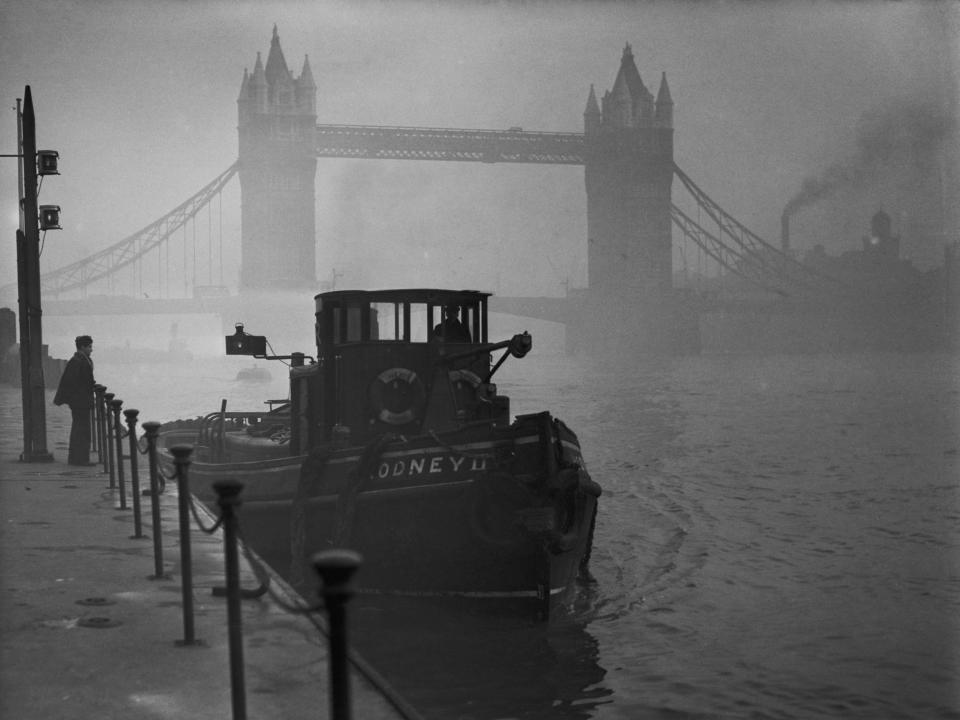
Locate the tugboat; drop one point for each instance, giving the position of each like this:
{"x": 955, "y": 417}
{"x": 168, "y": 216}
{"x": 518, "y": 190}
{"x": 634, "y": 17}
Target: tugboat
{"x": 395, "y": 442}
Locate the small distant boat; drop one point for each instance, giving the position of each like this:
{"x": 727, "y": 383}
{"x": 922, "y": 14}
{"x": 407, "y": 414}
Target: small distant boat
{"x": 254, "y": 374}
{"x": 396, "y": 443}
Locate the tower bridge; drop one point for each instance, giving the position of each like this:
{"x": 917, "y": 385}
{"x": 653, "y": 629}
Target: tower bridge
{"x": 625, "y": 148}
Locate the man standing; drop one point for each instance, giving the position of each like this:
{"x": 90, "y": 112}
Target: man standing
{"x": 76, "y": 390}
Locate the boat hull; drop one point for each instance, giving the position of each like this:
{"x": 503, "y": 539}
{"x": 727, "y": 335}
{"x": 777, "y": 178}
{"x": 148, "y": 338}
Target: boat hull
{"x": 499, "y": 515}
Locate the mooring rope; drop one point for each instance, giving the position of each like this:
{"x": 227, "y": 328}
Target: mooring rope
{"x": 357, "y": 479}
{"x": 309, "y": 471}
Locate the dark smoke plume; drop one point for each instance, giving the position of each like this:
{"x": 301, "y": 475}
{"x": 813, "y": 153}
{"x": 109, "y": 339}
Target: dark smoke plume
{"x": 905, "y": 137}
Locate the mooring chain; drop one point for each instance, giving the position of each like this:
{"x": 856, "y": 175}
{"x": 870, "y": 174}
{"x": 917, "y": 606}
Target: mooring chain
{"x": 164, "y": 477}
{"x": 172, "y": 477}
{"x": 196, "y": 516}
{"x": 143, "y": 447}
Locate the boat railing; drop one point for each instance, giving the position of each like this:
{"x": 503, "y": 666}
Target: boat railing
{"x": 215, "y": 426}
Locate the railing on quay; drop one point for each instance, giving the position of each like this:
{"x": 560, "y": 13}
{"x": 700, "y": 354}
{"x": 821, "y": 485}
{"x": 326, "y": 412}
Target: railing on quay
{"x": 107, "y": 441}
{"x": 335, "y": 567}
{"x": 151, "y": 430}
{"x": 115, "y": 404}
{"x": 131, "y": 415}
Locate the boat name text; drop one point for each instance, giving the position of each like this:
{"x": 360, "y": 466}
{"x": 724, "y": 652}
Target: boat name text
{"x": 430, "y": 465}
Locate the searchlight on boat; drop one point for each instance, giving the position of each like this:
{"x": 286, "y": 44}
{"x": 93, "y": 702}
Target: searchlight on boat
{"x": 242, "y": 343}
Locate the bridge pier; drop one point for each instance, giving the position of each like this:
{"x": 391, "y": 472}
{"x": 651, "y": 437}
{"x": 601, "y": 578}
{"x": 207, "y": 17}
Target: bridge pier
{"x": 603, "y": 324}
{"x": 615, "y": 325}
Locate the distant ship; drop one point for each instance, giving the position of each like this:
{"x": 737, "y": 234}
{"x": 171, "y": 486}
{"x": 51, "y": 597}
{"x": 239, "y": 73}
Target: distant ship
{"x": 255, "y": 374}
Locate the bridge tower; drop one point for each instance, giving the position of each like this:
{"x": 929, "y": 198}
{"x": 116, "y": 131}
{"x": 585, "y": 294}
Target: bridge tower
{"x": 277, "y": 119}
{"x": 628, "y": 147}
{"x": 629, "y": 171}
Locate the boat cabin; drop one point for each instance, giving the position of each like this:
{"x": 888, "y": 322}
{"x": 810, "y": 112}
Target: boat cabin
{"x": 397, "y": 361}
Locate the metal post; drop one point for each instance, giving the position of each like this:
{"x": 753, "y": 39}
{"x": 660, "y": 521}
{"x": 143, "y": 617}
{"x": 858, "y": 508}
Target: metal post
{"x": 131, "y": 415}
{"x": 181, "y": 461}
{"x": 118, "y": 432}
{"x": 108, "y": 432}
{"x": 336, "y": 569}
{"x": 228, "y": 498}
{"x": 98, "y": 391}
{"x": 93, "y": 427}
{"x": 22, "y": 300}
{"x": 150, "y": 429}
{"x": 298, "y": 424}
{"x": 26, "y": 398}
{"x": 31, "y": 342}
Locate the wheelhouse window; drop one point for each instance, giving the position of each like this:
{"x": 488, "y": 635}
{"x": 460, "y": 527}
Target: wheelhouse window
{"x": 347, "y": 324}
{"x": 389, "y": 322}
{"x": 356, "y": 319}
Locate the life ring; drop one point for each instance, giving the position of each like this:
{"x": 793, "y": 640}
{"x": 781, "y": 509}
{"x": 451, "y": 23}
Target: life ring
{"x": 397, "y": 396}
{"x": 458, "y": 377}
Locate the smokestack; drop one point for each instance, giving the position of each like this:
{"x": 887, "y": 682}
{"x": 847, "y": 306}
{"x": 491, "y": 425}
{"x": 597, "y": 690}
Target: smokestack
{"x": 785, "y": 232}
{"x": 904, "y": 137}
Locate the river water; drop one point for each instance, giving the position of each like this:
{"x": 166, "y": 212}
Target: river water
{"x": 779, "y": 537}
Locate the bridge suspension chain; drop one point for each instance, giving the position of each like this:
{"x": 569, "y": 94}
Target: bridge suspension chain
{"x": 109, "y": 260}
{"x": 739, "y": 263}
{"x": 749, "y": 255}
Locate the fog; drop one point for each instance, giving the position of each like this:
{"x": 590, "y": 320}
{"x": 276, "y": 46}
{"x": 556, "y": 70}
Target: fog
{"x": 777, "y": 535}
{"x": 835, "y": 109}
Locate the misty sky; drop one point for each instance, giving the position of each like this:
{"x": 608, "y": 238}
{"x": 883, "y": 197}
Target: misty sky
{"x": 139, "y": 98}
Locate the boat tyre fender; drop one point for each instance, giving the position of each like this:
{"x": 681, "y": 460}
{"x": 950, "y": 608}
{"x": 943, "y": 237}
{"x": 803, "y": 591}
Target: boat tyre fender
{"x": 567, "y": 509}
{"x": 397, "y": 395}
{"x": 569, "y": 503}
{"x": 576, "y": 478}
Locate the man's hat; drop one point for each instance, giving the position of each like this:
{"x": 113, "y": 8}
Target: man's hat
{"x": 83, "y": 340}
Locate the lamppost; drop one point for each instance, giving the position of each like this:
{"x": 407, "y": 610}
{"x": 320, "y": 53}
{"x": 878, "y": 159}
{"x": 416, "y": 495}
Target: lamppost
{"x": 32, "y": 220}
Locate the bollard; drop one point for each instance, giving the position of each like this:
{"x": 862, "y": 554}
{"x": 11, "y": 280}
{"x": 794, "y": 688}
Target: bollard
{"x": 150, "y": 429}
{"x": 181, "y": 461}
{"x": 115, "y": 404}
{"x": 131, "y": 416}
{"x": 336, "y": 568}
{"x": 228, "y": 498}
{"x": 108, "y": 432}
{"x": 98, "y": 391}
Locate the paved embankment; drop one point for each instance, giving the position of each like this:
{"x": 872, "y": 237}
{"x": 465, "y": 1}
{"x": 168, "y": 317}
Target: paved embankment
{"x": 64, "y": 543}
